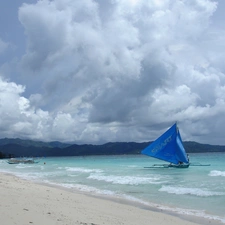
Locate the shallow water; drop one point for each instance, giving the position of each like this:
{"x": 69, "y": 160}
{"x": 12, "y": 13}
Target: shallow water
{"x": 198, "y": 190}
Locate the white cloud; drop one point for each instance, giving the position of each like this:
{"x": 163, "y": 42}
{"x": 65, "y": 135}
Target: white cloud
{"x": 19, "y": 119}
{"x": 98, "y": 71}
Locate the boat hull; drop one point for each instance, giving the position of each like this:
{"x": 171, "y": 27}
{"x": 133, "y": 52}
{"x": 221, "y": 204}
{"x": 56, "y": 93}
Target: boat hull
{"x": 23, "y": 161}
{"x": 179, "y": 166}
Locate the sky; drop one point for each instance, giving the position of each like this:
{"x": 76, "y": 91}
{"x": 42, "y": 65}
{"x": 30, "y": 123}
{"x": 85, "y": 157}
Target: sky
{"x": 98, "y": 71}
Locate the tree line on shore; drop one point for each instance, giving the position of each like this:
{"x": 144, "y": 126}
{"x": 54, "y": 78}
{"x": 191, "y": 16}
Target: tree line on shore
{"x": 27, "y": 148}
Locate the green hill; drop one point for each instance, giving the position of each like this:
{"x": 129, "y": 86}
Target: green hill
{"x": 29, "y": 148}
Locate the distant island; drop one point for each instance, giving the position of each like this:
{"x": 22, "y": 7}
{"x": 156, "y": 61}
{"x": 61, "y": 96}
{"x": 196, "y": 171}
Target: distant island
{"x": 28, "y": 148}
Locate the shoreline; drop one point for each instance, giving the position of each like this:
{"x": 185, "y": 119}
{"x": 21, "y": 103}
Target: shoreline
{"x": 28, "y": 202}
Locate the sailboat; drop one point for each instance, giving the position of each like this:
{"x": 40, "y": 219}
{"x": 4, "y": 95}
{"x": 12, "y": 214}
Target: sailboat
{"x": 169, "y": 147}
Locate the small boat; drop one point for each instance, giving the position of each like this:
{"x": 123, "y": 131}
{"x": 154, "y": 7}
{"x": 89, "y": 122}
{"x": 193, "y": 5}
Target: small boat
{"x": 22, "y": 160}
{"x": 168, "y": 147}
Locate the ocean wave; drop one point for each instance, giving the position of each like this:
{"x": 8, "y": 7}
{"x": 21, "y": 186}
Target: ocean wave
{"x": 189, "y": 191}
{"x": 24, "y": 166}
{"x": 125, "y": 179}
{"x": 82, "y": 170}
{"x": 190, "y": 212}
{"x": 84, "y": 188}
{"x": 217, "y": 173}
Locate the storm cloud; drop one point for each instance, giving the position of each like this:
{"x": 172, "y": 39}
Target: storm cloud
{"x": 98, "y": 71}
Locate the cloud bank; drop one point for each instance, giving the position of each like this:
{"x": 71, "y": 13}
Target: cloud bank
{"x": 99, "y": 71}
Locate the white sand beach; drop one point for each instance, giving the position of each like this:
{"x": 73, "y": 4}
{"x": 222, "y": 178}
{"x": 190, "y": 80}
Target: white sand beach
{"x": 24, "y": 202}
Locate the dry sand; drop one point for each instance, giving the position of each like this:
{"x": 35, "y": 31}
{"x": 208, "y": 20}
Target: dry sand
{"x": 24, "y": 202}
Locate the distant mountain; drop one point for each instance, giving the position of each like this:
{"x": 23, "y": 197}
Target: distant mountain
{"x": 28, "y": 148}
{"x": 194, "y": 147}
{"x": 29, "y": 143}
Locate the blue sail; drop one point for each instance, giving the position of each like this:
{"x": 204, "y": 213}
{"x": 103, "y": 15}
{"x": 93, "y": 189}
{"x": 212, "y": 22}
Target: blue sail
{"x": 168, "y": 147}
{"x": 181, "y": 153}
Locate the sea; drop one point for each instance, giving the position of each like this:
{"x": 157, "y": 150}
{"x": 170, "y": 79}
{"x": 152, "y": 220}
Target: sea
{"x": 197, "y": 191}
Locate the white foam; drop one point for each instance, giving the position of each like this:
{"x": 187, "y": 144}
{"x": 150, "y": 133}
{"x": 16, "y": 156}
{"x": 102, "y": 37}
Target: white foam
{"x": 84, "y": 188}
{"x": 189, "y": 191}
{"x": 181, "y": 211}
{"x": 83, "y": 170}
{"x": 24, "y": 166}
{"x": 132, "y": 180}
{"x": 217, "y": 173}
{"x": 190, "y": 212}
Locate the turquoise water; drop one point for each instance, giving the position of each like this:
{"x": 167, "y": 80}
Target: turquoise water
{"x": 198, "y": 190}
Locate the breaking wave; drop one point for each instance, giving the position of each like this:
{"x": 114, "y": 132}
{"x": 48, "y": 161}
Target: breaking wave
{"x": 126, "y": 179}
{"x": 217, "y": 173}
{"x": 189, "y": 191}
